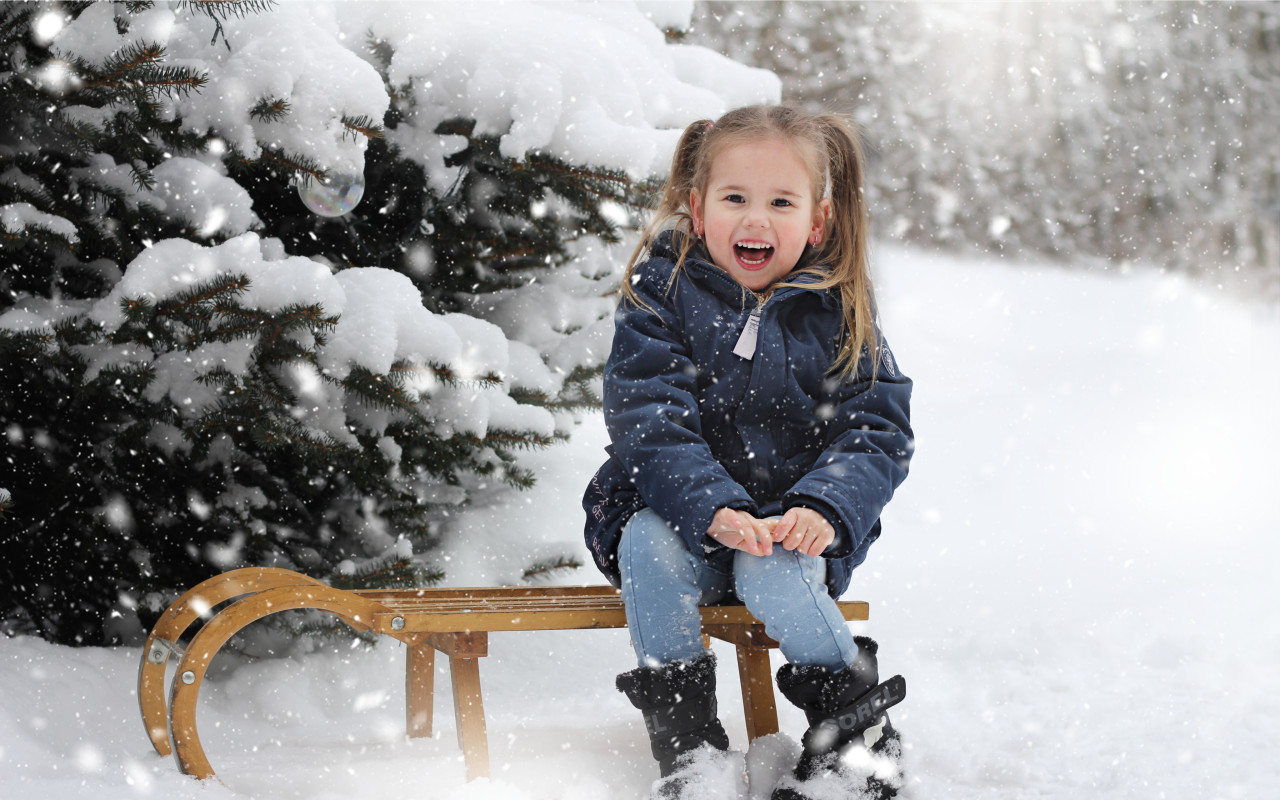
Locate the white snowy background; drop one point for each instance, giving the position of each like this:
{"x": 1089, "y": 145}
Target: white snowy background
{"x": 1076, "y": 579}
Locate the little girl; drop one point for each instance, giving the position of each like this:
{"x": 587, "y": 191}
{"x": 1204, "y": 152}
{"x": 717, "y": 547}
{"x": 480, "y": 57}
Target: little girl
{"x": 759, "y": 425}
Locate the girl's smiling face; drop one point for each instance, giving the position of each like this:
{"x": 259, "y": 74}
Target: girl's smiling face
{"x": 759, "y": 211}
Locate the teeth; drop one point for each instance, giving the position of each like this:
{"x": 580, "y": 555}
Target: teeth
{"x": 743, "y": 247}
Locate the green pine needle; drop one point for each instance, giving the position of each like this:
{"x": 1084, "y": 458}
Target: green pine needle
{"x": 270, "y": 109}
{"x": 549, "y": 568}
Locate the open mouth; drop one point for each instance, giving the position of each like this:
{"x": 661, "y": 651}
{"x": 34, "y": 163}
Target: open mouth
{"x": 753, "y": 254}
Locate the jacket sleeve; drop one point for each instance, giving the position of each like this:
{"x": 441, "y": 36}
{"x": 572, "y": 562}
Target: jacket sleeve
{"x": 866, "y": 452}
{"x": 651, "y": 412}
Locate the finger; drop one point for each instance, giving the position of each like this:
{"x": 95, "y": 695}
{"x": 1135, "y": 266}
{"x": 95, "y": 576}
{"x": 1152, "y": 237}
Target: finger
{"x": 802, "y": 538}
{"x": 791, "y": 529}
{"x": 763, "y": 534}
{"x": 795, "y": 536}
{"x": 747, "y": 529}
{"x": 820, "y": 543}
{"x": 783, "y": 527}
{"x": 778, "y": 535}
{"x": 735, "y": 541}
{"x": 735, "y": 526}
{"x": 765, "y": 537}
{"x": 751, "y": 536}
{"x": 814, "y": 547}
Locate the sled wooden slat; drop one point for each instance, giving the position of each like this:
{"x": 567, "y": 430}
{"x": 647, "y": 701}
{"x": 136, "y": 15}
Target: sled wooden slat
{"x": 453, "y": 622}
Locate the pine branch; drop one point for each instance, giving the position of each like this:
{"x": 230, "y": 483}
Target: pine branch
{"x": 274, "y": 433}
{"x": 362, "y": 125}
{"x": 521, "y": 440}
{"x": 529, "y": 397}
{"x": 173, "y": 80}
{"x": 326, "y": 627}
{"x": 129, "y": 377}
{"x": 136, "y": 71}
{"x": 15, "y": 21}
{"x": 35, "y": 233}
{"x": 387, "y": 572}
{"x": 125, "y": 61}
{"x": 447, "y": 375}
{"x": 222, "y": 9}
{"x": 270, "y": 109}
{"x": 275, "y": 347}
{"x": 549, "y": 568}
{"x": 519, "y": 478}
{"x": 76, "y": 332}
{"x": 378, "y": 391}
{"x": 142, "y": 176}
{"x": 265, "y": 390}
{"x": 409, "y": 515}
{"x": 306, "y": 169}
{"x": 88, "y": 136}
{"x": 381, "y": 50}
{"x": 291, "y": 317}
{"x": 577, "y": 394}
{"x": 579, "y": 177}
{"x": 189, "y": 301}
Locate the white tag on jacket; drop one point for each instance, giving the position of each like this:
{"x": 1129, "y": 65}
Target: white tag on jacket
{"x": 746, "y": 346}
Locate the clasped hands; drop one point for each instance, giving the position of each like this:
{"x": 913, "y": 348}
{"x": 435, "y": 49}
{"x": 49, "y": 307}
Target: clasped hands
{"x": 801, "y": 529}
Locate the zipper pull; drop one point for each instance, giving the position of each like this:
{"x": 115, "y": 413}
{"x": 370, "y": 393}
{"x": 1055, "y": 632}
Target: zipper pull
{"x": 746, "y": 346}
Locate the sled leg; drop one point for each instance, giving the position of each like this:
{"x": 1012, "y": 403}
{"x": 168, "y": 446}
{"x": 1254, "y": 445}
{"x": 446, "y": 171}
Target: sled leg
{"x": 465, "y": 651}
{"x": 419, "y": 689}
{"x": 468, "y": 709}
{"x": 757, "y": 691}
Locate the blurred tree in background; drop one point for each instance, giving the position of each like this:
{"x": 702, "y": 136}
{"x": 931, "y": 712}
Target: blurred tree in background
{"x": 1089, "y": 131}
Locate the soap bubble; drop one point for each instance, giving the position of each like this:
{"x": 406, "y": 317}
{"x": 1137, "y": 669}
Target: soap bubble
{"x": 333, "y": 196}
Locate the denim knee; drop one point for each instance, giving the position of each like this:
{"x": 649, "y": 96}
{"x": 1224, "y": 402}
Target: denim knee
{"x": 787, "y": 592}
{"x": 779, "y": 574}
{"x": 649, "y": 544}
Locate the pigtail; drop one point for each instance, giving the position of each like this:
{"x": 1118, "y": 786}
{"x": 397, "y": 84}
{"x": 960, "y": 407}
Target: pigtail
{"x": 845, "y": 250}
{"x": 673, "y": 204}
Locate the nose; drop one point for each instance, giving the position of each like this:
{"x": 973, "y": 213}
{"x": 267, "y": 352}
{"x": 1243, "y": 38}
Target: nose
{"x": 757, "y": 217}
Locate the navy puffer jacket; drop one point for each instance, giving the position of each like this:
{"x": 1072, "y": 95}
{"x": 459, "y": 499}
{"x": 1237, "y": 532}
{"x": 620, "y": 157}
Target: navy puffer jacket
{"x": 695, "y": 428}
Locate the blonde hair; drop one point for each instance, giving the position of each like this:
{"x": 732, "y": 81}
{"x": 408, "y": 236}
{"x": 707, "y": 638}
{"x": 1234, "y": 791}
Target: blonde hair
{"x": 830, "y": 146}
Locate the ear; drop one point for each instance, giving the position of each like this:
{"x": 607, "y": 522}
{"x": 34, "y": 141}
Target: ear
{"x": 822, "y": 213}
{"x": 695, "y": 210}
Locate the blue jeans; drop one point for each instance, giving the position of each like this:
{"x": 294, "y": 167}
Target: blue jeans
{"x": 663, "y": 584}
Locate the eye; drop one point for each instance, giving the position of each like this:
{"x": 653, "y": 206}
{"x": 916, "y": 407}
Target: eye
{"x": 735, "y": 198}
{"x": 783, "y": 202}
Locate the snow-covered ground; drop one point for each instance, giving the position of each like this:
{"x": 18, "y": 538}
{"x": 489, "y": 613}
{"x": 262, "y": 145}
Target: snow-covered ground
{"x": 1077, "y": 581}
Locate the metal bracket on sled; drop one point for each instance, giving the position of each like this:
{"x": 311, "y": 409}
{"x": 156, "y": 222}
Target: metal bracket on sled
{"x": 161, "y": 648}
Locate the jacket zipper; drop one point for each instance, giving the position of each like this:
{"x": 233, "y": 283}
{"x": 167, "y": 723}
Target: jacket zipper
{"x": 746, "y": 346}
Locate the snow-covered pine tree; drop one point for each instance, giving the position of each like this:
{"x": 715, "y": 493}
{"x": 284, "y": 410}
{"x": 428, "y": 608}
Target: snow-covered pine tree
{"x": 198, "y": 373}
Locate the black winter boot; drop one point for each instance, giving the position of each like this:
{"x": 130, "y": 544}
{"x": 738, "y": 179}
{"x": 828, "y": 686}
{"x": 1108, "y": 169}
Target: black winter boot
{"x": 679, "y": 706}
{"x": 844, "y": 709}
